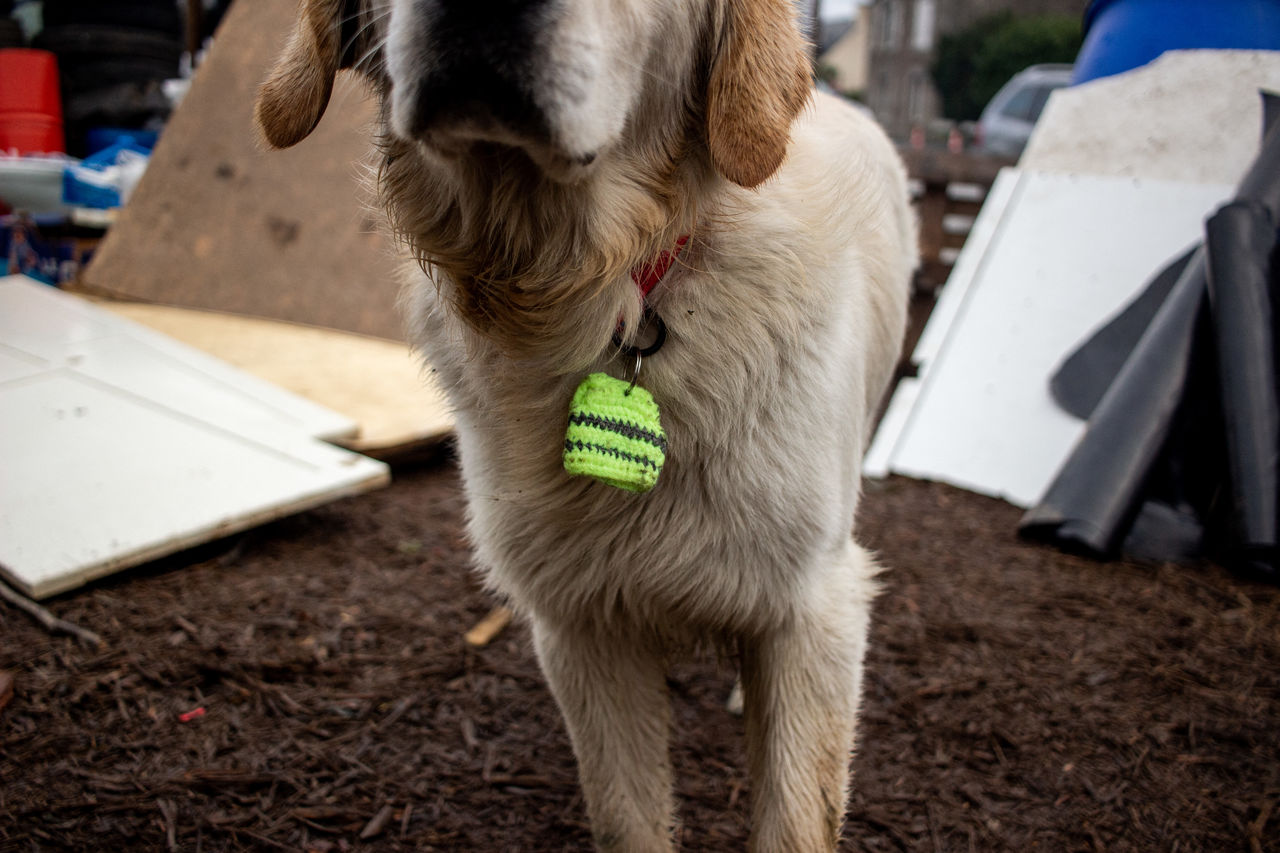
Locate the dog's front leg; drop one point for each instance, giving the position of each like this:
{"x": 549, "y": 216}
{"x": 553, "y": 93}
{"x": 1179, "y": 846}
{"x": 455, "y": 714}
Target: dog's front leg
{"x": 612, "y": 693}
{"x": 801, "y": 684}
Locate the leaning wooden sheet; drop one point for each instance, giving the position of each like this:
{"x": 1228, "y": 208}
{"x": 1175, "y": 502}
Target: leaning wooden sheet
{"x": 278, "y": 234}
{"x": 118, "y": 446}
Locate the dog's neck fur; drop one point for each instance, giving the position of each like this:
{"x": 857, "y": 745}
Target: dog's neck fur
{"x": 541, "y": 269}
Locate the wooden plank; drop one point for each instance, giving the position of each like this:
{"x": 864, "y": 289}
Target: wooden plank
{"x": 963, "y": 208}
{"x": 220, "y": 223}
{"x": 931, "y": 275}
{"x": 378, "y": 384}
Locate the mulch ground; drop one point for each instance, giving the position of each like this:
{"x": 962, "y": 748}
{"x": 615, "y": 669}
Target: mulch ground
{"x": 306, "y": 686}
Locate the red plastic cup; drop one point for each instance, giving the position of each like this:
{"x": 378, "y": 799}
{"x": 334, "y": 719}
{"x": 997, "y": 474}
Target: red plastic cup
{"x": 29, "y": 133}
{"x": 30, "y": 103}
{"x": 29, "y": 82}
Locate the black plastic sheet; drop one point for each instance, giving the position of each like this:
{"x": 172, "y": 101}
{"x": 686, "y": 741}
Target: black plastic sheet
{"x": 1182, "y": 396}
{"x": 1240, "y": 239}
{"x": 1082, "y": 380}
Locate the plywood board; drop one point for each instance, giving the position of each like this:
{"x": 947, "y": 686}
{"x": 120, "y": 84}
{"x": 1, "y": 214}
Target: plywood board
{"x": 379, "y": 384}
{"x": 116, "y": 448}
{"x": 1061, "y": 255}
{"x": 219, "y": 222}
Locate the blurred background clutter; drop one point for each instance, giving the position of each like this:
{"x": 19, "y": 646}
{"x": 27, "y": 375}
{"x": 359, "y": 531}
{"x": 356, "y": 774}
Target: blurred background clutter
{"x": 86, "y": 88}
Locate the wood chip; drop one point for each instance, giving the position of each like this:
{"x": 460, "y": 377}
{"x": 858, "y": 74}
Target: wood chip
{"x": 489, "y": 627}
{"x": 6, "y": 688}
{"x": 375, "y": 826}
{"x": 405, "y": 818}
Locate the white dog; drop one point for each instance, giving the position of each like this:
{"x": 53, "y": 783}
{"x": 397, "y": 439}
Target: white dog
{"x": 537, "y": 157}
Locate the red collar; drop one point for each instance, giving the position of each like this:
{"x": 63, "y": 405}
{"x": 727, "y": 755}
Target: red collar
{"x": 647, "y": 275}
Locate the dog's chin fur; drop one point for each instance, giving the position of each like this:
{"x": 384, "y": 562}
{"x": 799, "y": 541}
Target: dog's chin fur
{"x": 535, "y": 255}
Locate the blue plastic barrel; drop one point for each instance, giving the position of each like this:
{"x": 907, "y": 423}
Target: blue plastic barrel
{"x": 1124, "y": 34}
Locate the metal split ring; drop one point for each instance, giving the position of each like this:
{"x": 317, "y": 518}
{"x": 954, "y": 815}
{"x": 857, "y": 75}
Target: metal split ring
{"x": 635, "y": 374}
{"x": 650, "y": 318}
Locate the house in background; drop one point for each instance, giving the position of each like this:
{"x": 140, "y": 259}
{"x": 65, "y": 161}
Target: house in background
{"x": 843, "y": 57}
{"x": 903, "y": 37}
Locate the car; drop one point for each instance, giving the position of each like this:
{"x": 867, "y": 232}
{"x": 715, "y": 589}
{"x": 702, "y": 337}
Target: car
{"x": 1008, "y": 118}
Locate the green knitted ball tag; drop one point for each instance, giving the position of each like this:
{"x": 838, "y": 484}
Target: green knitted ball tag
{"x": 614, "y": 434}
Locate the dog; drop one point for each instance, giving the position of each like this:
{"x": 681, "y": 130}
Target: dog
{"x": 535, "y": 156}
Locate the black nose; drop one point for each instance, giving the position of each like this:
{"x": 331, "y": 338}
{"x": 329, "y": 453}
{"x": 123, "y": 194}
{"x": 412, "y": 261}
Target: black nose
{"x": 473, "y": 96}
{"x": 495, "y": 33}
{"x": 483, "y": 53}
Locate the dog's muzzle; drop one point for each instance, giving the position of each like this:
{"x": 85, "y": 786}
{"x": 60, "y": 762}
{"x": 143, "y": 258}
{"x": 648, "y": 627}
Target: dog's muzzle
{"x": 494, "y": 71}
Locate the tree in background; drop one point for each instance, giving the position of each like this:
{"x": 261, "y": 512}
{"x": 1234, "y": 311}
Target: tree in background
{"x": 972, "y": 64}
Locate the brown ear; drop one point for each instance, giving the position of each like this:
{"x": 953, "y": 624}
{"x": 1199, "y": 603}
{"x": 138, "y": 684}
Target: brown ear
{"x": 295, "y": 94}
{"x": 760, "y": 80}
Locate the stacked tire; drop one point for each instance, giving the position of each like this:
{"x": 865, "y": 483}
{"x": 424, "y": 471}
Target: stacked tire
{"x": 113, "y": 57}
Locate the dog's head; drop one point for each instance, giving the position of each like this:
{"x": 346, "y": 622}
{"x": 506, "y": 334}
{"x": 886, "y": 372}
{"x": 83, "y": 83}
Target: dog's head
{"x": 561, "y": 80}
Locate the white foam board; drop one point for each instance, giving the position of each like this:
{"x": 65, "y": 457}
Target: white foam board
{"x": 877, "y": 462}
{"x": 1057, "y": 256}
{"x": 58, "y": 329}
{"x": 116, "y": 449}
{"x": 965, "y": 269}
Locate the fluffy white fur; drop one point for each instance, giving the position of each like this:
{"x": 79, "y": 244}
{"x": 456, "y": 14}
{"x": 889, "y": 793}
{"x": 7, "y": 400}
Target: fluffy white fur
{"x": 785, "y": 316}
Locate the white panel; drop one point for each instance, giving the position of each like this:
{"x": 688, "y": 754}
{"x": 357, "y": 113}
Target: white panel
{"x": 877, "y": 461}
{"x": 44, "y": 322}
{"x": 95, "y": 480}
{"x": 1063, "y": 255}
{"x": 15, "y": 364}
{"x": 118, "y": 445}
{"x": 966, "y": 267}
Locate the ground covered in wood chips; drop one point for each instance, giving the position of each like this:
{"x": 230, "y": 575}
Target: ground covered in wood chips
{"x": 306, "y": 686}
